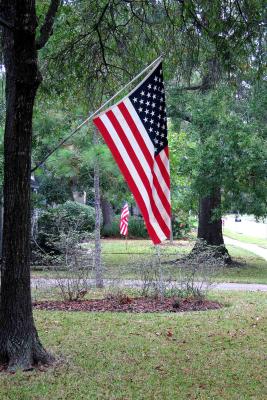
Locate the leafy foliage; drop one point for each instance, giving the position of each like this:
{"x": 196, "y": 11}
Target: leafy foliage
{"x": 60, "y": 219}
{"x": 225, "y": 145}
{"x": 136, "y": 228}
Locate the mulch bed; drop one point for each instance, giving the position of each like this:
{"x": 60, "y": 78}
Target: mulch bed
{"x": 127, "y": 304}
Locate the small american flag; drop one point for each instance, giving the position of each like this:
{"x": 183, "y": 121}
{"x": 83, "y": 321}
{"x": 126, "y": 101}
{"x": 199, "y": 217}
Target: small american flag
{"x": 124, "y": 220}
{"x": 135, "y": 130}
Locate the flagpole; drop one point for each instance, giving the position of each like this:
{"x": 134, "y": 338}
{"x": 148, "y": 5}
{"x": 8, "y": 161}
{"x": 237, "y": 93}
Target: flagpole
{"x": 171, "y": 234}
{"x": 157, "y": 246}
{"x": 96, "y": 112}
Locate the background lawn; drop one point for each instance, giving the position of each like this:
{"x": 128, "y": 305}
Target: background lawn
{"x": 201, "y": 355}
{"x": 245, "y": 238}
{"x": 250, "y": 268}
{"x": 121, "y": 262}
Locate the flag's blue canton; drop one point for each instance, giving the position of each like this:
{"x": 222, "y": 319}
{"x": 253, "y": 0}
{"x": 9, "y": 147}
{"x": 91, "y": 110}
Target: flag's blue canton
{"x": 149, "y": 103}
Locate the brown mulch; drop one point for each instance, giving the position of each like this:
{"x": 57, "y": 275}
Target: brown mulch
{"x": 128, "y": 304}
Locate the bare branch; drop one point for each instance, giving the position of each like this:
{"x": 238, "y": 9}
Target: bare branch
{"x": 47, "y": 26}
{"x": 102, "y": 15}
{"x": 101, "y": 46}
{"x": 240, "y": 11}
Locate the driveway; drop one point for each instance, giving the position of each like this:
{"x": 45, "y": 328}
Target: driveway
{"x": 253, "y": 248}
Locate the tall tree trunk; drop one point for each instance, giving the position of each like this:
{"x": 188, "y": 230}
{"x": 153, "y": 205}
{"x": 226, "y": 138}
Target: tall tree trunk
{"x": 19, "y": 343}
{"x": 210, "y": 229}
{"x": 210, "y": 236}
{"x": 107, "y": 212}
{"x": 1, "y": 223}
{"x": 98, "y": 258}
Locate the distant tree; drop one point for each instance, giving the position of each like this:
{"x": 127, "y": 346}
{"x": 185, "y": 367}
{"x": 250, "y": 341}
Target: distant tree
{"x": 221, "y": 47}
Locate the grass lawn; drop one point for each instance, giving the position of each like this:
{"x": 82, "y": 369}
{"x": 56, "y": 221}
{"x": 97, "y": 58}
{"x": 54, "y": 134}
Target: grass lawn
{"x": 122, "y": 262}
{"x": 208, "y": 355}
{"x": 251, "y": 268}
{"x": 246, "y": 239}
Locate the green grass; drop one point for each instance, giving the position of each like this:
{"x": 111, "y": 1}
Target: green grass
{"x": 249, "y": 269}
{"x": 122, "y": 262}
{"x": 212, "y": 355}
{"x": 119, "y": 252}
{"x": 246, "y": 239}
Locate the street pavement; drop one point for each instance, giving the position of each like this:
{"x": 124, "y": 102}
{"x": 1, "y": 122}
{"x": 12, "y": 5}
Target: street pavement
{"x": 253, "y": 248}
{"x": 42, "y": 283}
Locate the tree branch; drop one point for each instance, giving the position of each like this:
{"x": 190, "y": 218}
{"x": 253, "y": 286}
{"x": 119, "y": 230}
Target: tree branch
{"x": 47, "y": 26}
{"x": 102, "y": 47}
{"x": 102, "y": 15}
{"x": 240, "y": 11}
{"x": 96, "y": 27}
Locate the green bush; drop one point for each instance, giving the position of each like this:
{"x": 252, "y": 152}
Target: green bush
{"x": 137, "y": 228}
{"x": 70, "y": 216}
{"x": 182, "y": 224}
{"x": 112, "y": 230}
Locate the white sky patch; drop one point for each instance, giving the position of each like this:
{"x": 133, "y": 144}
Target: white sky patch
{"x": 2, "y": 70}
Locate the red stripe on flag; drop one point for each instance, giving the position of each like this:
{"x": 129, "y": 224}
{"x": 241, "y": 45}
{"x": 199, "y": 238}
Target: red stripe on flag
{"x": 161, "y": 194}
{"x": 136, "y": 133}
{"x": 166, "y": 150}
{"x": 122, "y": 107}
{"x": 139, "y": 169}
{"x": 124, "y": 170}
{"x": 163, "y": 170}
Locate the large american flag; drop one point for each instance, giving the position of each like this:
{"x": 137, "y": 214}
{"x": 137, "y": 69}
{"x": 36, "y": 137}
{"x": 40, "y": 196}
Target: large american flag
{"x": 135, "y": 130}
{"x": 124, "y": 220}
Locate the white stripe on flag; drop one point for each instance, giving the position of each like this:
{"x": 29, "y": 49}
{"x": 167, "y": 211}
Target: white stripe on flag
{"x": 146, "y": 168}
{"x": 131, "y": 168}
{"x": 149, "y": 145}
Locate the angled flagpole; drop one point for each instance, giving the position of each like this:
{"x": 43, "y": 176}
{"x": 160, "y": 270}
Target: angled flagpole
{"x": 96, "y": 112}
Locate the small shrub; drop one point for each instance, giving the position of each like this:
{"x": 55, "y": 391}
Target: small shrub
{"x": 57, "y": 220}
{"x": 113, "y": 230}
{"x": 77, "y": 263}
{"x": 181, "y": 226}
{"x": 119, "y": 297}
{"x": 153, "y": 281}
{"x": 195, "y": 276}
{"x": 137, "y": 228}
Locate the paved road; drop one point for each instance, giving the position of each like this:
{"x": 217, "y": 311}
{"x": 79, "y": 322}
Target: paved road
{"x": 247, "y": 246}
{"x": 248, "y": 226}
{"x": 252, "y": 287}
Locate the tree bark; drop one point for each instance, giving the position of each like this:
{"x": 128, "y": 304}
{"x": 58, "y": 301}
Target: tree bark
{"x": 210, "y": 229}
{"x": 19, "y": 343}
{"x": 1, "y": 224}
{"x": 97, "y": 259}
{"x": 107, "y": 212}
{"x": 210, "y": 236}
